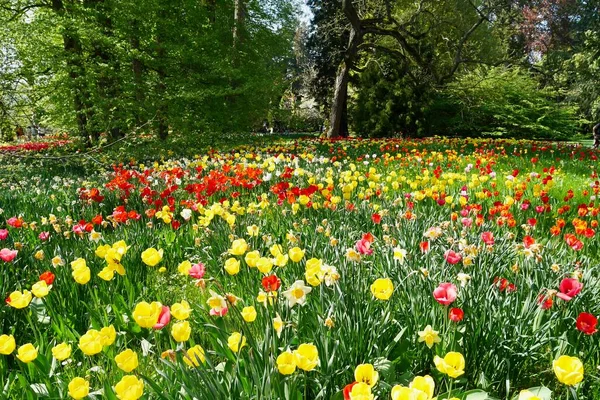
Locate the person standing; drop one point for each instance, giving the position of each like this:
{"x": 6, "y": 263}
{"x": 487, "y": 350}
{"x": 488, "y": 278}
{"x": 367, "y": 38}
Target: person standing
{"x": 596, "y": 131}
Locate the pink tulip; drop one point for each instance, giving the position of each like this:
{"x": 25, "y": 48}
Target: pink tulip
{"x": 3, "y": 234}
{"x": 7, "y": 255}
{"x": 467, "y": 222}
{"x": 445, "y": 293}
{"x": 164, "y": 318}
{"x": 452, "y": 257}
{"x": 569, "y": 288}
{"x": 219, "y": 312}
{"x": 197, "y": 271}
{"x": 488, "y": 238}
{"x": 363, "y": 246}
{"x": 44, "y": 236}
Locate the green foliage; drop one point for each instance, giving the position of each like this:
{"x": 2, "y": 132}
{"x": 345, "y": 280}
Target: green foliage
{"x": 504, "y": 102}
{"x": 105, "y": 66}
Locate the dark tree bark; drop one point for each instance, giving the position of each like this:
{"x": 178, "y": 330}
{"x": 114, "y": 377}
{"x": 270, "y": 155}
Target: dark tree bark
{"x": 161, "y": 69}
{"x": 138, "y": 69}
{"x": 238, "y": 21}
{"x": 72, "y": 47}
{"x": 338, "y": 119}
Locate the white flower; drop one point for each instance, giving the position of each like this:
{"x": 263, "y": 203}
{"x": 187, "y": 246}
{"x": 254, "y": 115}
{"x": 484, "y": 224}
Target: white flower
{"x": 463, "y": 278}
{"x": 186, "y": 214}
{"x": 297, "y": 293}
{"x": 400, "y": 254}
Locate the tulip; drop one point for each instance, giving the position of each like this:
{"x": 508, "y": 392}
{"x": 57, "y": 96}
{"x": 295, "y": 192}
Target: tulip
{"x": 445, "y": 293}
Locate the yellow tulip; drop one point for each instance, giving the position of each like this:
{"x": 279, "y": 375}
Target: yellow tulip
{"x": 102, "y": 250}
{"x": 19, "y": 299}
{"x": 249, "y": 314}
{"x": 40, "y": 289}
{"x": 81, "y": 274}
{"x": 108, "y": 335}
{"x": 61, "y": 351}
{"x": 264, "y": 265}
{"x": 296, "y": 254}
{"x": 286, "y": 363}
{"x": 27, "y": 353}
{"x": 232, "y": 266}
{"x": 361, "y": 391}
{"x": 127, "y": 360}
{"x": 184, "y": 267}
{"x": 146, "y": 315}
{"x": 453, "y": 364}
{"x": 129, "y": 388}
{"x": 425, "y": 384}
{"x": 181, "y": 310}
{"x": 307, "y": 356}
{"x": 238, "y": 247}
{"x": 151, "y": 257}
{"x": 7, "y": 344}
{"x": 568, "y": 370}
{"x": 181, "y": 331}
{"x": 366, "y": 373}
{"x": 193, "y": 355}
{"x": 276, "y": 250}
{"x": 382, "y": 288}
{"x": 79, "y": 388}
{"x": 236, "y": 341}
{"x": 91, "y": 343}
{"x": 252, "y": 258}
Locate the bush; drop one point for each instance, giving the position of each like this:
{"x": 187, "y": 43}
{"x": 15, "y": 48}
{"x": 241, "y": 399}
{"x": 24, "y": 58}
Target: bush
{"x": 501, "y": 101}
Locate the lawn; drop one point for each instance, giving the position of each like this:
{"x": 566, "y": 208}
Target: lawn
{"x": 301, "y": 268}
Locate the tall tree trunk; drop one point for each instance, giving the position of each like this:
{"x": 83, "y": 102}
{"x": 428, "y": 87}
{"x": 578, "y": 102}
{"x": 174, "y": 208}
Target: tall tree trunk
{"x": 137, "y": 69}
{"x": 161, "y": 52}
{"x": 73, "y": 51}
{"x": 340, "y": 95}
{"x": 338, "y": 117}
{"x": 238, "y": 21}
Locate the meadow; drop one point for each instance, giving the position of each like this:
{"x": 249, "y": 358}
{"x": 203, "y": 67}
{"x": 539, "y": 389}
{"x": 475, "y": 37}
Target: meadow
{"x": 303, "y": 268}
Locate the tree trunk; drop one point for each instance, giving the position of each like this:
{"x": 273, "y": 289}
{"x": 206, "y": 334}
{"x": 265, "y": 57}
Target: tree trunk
{"x": 137, "y": 69}
{"x": 239, "y": 17}
{"x": 73, "y": 52}
{"x": 339, "y": 103}
{"x": 161, "y": 58}
{"x": 338, "y": 120}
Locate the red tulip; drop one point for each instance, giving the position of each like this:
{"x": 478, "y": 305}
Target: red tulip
{"x": 586, "y": 323}
{"x": 376, "y": 218}
{"x": 569, "y": 288}
{"x": 48, "y": 277}
{"x": 456, "y": 314}
{"x": 271, "y": 283}
{"x": 488, "y": 238}
{"x": 445, "y": 293}
{"x": 545, "y": 302}
{"x": 452, "y": 257}
{"x": 348, "y": 389}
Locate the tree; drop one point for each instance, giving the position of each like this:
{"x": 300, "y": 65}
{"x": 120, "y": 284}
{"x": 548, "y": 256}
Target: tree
{"x": 412, "y": 33}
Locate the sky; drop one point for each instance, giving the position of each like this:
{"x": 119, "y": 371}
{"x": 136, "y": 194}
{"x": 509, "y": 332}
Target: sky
{"x": 306, "y": 14}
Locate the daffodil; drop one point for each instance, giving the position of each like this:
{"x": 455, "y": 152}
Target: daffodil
{"x": 296, "y": 294}
{"x": 429, "y": 336}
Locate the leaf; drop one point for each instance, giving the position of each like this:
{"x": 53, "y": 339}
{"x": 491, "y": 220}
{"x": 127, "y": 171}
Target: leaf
{"x": 40, "y": 389}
